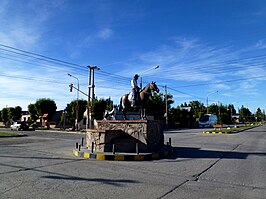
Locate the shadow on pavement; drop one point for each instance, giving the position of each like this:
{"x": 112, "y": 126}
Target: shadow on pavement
{"x": 189, "y": 152}
{"x": 61, "y": 176}
{"x": 116, "y": 182}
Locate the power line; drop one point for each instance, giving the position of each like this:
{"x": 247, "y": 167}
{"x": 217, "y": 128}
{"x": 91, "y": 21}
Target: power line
{"x": 39, "y": 55}
{"x": 220, "y": 82}
{"x": 51, "y": 60}
{"x": 34, "y": 79}
{"x": 226, "y": 62}
{"x": 184, "y": 93}
{"x": 114, "y": 75}
{"x": 216, "y": 66}
{"x": 118, "y": 79}
{"x": 110, "y": 74}
{"x": 45, "y": 66}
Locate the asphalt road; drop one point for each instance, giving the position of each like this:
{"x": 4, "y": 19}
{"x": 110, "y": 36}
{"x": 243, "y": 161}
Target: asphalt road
{"x": 42, "y": 165}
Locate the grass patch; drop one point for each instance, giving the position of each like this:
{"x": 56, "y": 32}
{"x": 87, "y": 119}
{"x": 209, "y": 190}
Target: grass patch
{"x": 240, "y": 128}
{"x": 5, "y": 134}
{"x": 232, "y": 129}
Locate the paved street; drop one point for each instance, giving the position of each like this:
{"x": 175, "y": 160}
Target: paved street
{"x": 41, "y": 165}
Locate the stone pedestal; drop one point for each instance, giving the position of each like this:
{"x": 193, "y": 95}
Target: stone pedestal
{"x": 128, "y": 136}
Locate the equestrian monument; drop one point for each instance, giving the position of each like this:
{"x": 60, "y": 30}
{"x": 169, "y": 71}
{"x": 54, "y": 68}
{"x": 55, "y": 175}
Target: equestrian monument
{"x": 123, "y": 135}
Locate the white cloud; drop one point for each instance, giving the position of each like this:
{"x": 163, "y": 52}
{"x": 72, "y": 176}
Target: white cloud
{"x": 22, "y": 91}
{"x": 93, "y": 38}
{"x": 192, "y": 62}
{"x": 187, "y": 44}
{"x": 187, "y": 60}
{"x": 21, "y": 37}
{"x": 253, "y": 72}
{"x": 104, "y": 34}
{"x": 221, "y": 86}
{"x": 23, "y": 22}
{"x": 261, "y": 44}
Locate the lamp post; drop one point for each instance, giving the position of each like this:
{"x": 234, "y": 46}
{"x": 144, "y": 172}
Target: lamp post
{"x": 208, "y": 99}
{"x": 153, "y": 68}
{"x": 77, "y": 106}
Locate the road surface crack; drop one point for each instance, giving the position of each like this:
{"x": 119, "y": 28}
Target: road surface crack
{"x": 172, "y": 190}
{"x": 195, "y": 178}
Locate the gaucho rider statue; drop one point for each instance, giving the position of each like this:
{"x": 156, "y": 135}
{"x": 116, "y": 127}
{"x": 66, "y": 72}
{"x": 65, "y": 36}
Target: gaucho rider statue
{"x": 135, "y": 89}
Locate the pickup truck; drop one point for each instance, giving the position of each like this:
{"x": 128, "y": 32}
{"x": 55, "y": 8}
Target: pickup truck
{"x": 19, "y": 126}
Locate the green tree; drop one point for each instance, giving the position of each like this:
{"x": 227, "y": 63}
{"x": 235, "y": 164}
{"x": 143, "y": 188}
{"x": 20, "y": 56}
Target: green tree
{"x": 181, "y": 117}
{"x": 71, "y": 111}
{"x": 4, "y": 115}
{"x": 82, "y": 108}
{"x": 232, "y": 109}
{"x": 17, "y": 113}
{"x": 244, "y": 114}
{"x": 70, "y": 114}
{"x": 259, "y": 115}
{"x": 157, "y": 106}
{"x": 196, "y": 108}
{"x": 214, "y": 109}
{"x": 109, "y": 104}
{"x": 156, "y": 101}
{"x": 223, "y": 112}
{"x": 46, "y": 106}
{"x": 33, "y": 113}
{"x": 10, "y": 113}
{"x": 98, "y": 108}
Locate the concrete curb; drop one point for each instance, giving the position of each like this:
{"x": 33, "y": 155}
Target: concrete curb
{"x": 123, "y": 156}
{"x": 220, "y": 132}
{"x": 60, "y": 131}
{"x": 14, "y": 135}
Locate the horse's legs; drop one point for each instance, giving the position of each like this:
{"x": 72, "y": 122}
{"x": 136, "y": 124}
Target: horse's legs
{"x": 142, "y": 113}
{"x": 124, "y": 114}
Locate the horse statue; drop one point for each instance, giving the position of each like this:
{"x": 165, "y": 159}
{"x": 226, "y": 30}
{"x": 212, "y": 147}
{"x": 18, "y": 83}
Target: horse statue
{"x": 109, "y": 115}
{"x": 144, "y": 97}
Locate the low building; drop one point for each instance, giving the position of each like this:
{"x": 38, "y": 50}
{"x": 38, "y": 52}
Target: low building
{"x": 25, "y": 116}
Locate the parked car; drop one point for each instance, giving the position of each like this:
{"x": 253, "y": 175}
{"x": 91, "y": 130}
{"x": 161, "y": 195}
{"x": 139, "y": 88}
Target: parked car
{"x": 208, "y": 120}
{"x": 19, "y": 126}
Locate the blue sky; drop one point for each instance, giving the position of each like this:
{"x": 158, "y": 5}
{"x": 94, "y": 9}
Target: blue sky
{"x": 201, "y": 46}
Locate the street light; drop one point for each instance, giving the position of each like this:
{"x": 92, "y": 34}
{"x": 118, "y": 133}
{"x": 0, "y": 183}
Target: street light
{"x": 153, "y": 68}
{"x": 208, "y": 100}
{"x": 77, "y": 107}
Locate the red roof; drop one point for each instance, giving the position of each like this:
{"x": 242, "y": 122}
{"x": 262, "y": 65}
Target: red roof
{"x": 45, "y": 115}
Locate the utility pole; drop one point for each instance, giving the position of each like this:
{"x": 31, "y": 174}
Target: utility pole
{"x": 91, "y": 87}
{"x": 88, "y": 123}
{"x": 166, "y": 107}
